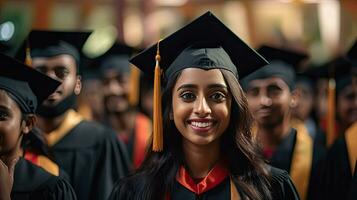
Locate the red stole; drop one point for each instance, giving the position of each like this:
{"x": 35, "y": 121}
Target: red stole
{"x": 213, "y": 178}
{"x": 142, "y": 133}
{"x": 43, "y": 162}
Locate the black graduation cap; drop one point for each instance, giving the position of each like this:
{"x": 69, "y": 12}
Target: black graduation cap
{"x": 205, "y": 43}
{"x": 284, "y": 63}
{"x": 338, "y": 69}
{"x": 352, "y": 57}
{"x": 28, "y": 87}
{"x": 115, "y": 58}
{"x": 46, "y": 43}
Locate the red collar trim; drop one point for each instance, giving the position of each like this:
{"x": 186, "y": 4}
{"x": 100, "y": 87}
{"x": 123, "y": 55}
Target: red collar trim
{"x": 213, "y": 178}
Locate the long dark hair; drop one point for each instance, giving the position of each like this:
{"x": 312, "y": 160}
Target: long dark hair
{"x": 249, "y": 172}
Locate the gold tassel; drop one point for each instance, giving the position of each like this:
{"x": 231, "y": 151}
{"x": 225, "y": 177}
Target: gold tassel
{"x": 157, "y": 144}
{"x": 331, "y": 95}
{"x": 134, "y": 84}
{"x": 28, "y": 59}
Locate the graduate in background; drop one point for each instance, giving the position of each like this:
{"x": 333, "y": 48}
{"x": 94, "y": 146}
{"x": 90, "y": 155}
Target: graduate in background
{"x": 21, "y": 92}
{"x": 120, "y": 87}
{"x": 305, "y": 109}
{"x": 87, "y": 151}
{"x": 202, "y": 144}
{"x": 339, "y": 173}
{"x": 90, "y": 100}
{"x": 271, "y": 96}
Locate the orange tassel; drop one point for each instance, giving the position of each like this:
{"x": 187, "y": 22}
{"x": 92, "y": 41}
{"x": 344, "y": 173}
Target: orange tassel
{"x": 157, "y": 144}
{"x": 28, "y": 59}
{"x": 331, "y": 95}
{"x": 134, "y": 84}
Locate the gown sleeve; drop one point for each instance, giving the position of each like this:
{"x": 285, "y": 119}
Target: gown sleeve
{"x": 61, "y": 190}
{"x": 282, "y": 186}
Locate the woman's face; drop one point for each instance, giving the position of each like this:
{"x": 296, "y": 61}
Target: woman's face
{"x": 10, "y": 125}
{"x": 201, "y": 105}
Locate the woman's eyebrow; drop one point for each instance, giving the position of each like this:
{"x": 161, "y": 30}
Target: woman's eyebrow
{"x": 185, "y": 86}
{"x": 217, "y": 85}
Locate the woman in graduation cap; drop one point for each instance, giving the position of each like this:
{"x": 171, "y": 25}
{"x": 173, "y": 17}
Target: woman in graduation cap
{"x": 20, "y": 93}
{"x": 202, "y": 145}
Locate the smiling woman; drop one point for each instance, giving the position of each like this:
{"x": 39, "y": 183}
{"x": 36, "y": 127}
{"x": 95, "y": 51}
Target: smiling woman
{"x": 207, "y": 150}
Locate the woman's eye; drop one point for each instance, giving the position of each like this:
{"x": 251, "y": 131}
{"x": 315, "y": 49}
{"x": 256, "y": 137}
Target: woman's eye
{"x": 218, "y": 96}
{"x": 187, "y": 96}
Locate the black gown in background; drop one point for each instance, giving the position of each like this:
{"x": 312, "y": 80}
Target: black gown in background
{"x": 337, "y": 177}
{"x": 32, "y": 182}
{"x": 282, "y": 159}
{"x": 353, "y": 193}
{"x": 93, "y": 158}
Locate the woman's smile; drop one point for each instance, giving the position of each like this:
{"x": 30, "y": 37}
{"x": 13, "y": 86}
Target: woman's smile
{"x": 201, "y": 125}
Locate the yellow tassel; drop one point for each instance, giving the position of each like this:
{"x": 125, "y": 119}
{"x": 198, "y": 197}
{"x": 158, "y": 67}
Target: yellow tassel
{"x": 28, "y": 59}
{"x": 134, "y": 84}
{"x": 331, "y": 95}
{"x": 157, "y": 144}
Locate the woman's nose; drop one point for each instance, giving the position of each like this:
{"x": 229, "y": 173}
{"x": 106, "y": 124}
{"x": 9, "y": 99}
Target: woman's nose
{"x": 201, "y": 107}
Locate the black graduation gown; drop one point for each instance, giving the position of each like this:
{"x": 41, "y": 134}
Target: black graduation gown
{"x": 353, "y": 192}
{"x": 32, "y": 182}
{"x": 282, "y": 188}
{"x": 283, "y": 155}
{"x": 337, "y": 176}
{"x": 93, "y": 158}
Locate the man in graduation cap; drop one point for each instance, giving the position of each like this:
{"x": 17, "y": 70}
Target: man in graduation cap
{"x": 271, "y": 97}
{"x": 340, "y": 171}
{"x": 87, "y": 151}
{"x": 305, "y": 109}
{"x": 120, "y": 81}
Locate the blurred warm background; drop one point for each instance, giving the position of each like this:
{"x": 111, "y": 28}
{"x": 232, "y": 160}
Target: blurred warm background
{"x": 321, "y": 27}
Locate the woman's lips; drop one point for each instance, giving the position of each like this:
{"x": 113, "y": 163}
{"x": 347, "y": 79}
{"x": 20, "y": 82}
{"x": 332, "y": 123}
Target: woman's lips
{"x": 201, "y": 125}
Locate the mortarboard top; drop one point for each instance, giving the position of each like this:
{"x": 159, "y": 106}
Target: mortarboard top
{"x": 288, "y": 56}
{"x": 45, "y": 43}
{"x": 339, "y": 69}
{"x": 204, "y": 43}
{"x": 284, "y": 63}
{"x": 352, "y": 57}
{"x": 27, "y": 86}
{"x": 115, "y": 58}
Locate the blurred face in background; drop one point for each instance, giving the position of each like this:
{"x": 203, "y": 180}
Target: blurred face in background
{"x": 305, "y": 101}
{"x": 321, "y": 98}
{"x": 347, "y": 105}
{"x": 116, "y": 86}
{"x": 269, "y": 100}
